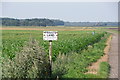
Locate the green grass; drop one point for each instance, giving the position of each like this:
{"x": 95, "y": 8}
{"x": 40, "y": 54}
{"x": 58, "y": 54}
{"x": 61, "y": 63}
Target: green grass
{"x": 75, "y": 63}
{"x": 110, "y": 30}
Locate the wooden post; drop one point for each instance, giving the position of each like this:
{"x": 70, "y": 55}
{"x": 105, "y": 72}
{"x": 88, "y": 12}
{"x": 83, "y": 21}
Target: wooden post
{"x": 50, "y": 35}
{"x": 50, "y": 56}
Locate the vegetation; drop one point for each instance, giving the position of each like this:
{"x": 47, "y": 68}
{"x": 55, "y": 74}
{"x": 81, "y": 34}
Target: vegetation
{"x": 51, "y": 22}
{"x": 104, "y": 69}
{"x": 24, "y": 58}
{"x": 30, "y": 22}
{"x": 66, "y": 43}
{"x": 30, "y": 62}
{"x": 92, "y": 24}
{"x": 73, "y": 65}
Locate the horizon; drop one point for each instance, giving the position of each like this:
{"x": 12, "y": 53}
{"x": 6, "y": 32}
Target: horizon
{"x": 68, "y": 12}
{"x": 46, "y": 18}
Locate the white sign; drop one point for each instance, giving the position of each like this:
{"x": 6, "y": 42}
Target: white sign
{"x": 50, "y": 35}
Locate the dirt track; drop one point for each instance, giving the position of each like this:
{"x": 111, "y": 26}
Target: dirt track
{"x": 113, "y": 56}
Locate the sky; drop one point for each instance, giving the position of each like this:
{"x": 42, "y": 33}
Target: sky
{"x": 66, "y": 11}
{"x": 60, "y": 0}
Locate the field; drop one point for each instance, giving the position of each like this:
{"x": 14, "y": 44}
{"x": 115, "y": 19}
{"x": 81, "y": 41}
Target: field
{"x": 75, "y": 50}
{"x": 111, "y": 29}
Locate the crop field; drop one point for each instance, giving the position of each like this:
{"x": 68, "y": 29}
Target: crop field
{"x": 72, "y": 53}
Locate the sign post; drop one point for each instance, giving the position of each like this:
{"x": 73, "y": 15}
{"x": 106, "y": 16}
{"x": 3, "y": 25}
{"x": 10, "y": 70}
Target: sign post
{"x": 50, "y": 36}
{"x": 50, "y": 56}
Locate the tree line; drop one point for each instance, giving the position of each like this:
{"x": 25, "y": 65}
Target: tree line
{"x": 91, "y": 24}
{"x": 30, "y": 22}
{"x": 51, "y": 22}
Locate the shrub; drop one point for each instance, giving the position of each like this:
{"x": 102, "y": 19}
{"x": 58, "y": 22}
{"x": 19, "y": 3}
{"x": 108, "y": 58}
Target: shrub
{"x": 30, "y": 62}
{"x": 60, "y": 65}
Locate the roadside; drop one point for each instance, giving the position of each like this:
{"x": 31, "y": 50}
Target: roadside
{"x": 94, "y": 68}
{"x": 113, "y": 56}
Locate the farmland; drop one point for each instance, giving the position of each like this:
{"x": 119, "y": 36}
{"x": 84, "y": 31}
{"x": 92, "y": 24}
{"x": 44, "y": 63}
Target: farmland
{"x": 74, "y": 51}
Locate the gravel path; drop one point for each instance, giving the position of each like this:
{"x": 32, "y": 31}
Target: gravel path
{"x": 113, "y": 56}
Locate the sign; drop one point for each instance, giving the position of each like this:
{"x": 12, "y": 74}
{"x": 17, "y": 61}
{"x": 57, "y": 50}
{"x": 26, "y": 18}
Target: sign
{"x": 50, "y": 35}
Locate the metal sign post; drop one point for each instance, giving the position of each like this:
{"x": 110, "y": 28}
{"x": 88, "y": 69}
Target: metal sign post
{"x": 50, "y": 36}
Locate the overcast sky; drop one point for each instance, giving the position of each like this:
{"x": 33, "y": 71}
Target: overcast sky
{"x": 67, "y": 11}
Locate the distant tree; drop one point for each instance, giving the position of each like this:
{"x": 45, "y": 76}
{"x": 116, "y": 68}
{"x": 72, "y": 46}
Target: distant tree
{"x": 30, "y": 22}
